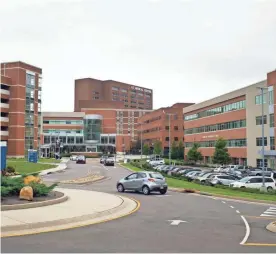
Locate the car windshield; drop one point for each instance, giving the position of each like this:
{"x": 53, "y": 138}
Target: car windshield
{"x": 244, "y": 179}
{"x": 156, "y": 176}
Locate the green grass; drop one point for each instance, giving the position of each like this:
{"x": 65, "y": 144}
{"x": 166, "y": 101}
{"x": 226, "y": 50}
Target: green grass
{"x": 24, "y": 167}
{"x": 44, "y": 160}
{"x": 176, "y": 183}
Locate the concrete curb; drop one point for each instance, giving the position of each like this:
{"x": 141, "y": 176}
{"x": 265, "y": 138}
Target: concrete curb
{"x": 125, "y": 208}
{"x": 35, "y": 204}
{"x": 271, "y": 227}
{"x": 60, "y": 167}
{"x": 84, "y": 182}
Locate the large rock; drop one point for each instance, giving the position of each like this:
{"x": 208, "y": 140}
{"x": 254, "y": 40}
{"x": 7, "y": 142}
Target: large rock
{"x": 32, "y": 179}
{"x": 26, "y": 193}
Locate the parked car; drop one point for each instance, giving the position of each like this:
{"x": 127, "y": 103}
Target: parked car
{"x": 174, "y": 171}
{"x": 192, "y": 175}
{"x": 73, "y": 157}
{"x": 204, "y": 178}
{"x": 191, "y": 170}
{"x": 103, "y": 158}
{"x": 259, "y": 172}
{"x": 222, "y": 179}
{"x": 145, "y": 182}
{"x": 110, "y": 161}
{"x": 81, "y": 159}
{"x": 167, "y": 169}
{"x": 156, "y": 161}
{"x": 254, "y": 182}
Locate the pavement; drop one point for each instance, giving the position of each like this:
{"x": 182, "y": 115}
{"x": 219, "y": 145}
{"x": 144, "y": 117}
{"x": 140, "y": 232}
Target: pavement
{"x": 171, "y": 223}
{"x": 58, "y": 167}
{"x": 82, "y": 208}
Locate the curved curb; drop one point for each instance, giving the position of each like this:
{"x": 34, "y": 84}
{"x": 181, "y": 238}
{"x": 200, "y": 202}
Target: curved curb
{"x": 35, "y": 204}
{"x": 271, "y": 227}
{"x": 100, "y": 178}
{"x": 80, "y": 221}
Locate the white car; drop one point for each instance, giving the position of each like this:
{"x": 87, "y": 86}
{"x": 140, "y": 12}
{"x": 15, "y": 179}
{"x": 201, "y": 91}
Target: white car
{"x": 73, "y": 157}
{"x": 254, "y": 182}
{"x": 157, "y": 162}
{"x": 219, "y": 169}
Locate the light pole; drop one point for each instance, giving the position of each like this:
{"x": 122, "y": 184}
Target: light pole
{"x": 263, "y": 159}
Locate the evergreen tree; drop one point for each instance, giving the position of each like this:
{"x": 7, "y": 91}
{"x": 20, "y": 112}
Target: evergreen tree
{"x": 193, "y": 154}
{"x": 221, "y": 155}
{"x": 157, "y": 147}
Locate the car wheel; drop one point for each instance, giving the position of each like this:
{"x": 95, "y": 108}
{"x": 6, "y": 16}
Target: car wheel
{"x": 146, "y": 190}
{"x": 120, "y": 188}
{"x": 243, "y": 187}
{"x": 163, "y": 192}
{"x": 258, "y": 175}
{"x": 269, "y": 189}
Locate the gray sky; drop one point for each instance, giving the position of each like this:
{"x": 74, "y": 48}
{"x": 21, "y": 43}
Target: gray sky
{"x": 185, "y": 50}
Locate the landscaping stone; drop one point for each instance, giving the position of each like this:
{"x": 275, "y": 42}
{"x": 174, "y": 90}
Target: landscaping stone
{"x": 26, "y": 193}
{"x": 32, "y": 179}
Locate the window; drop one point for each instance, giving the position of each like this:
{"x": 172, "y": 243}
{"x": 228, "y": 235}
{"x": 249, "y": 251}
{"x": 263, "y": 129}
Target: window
{"x": 271, "y": 97}
{"x": 259, "y": 120}
{"x": 255, "y": 180}
{"x": 167, "y": 139}
{"x": 272, "y": 143}
{"x": 96, "y": 93}
{"x": 115, "y": 88}
{"x": 141, "y": 175}
{"x": 271, "y": 120}
{"x": 258, "y": 99}
{"x": 167, "y": 128}
{"x": 259, "y": 141}
{"x": 175, "y": 138}
{"x": 175, "y": 128}
{"x": 133, "y": 176}
{"x": 269, "y": 180}
{"x": 96, "y": 98}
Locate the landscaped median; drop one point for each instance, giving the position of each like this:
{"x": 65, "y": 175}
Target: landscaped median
{"x": 184, "y": 186}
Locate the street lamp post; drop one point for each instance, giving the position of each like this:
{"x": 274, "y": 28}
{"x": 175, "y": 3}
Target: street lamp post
{"x": 263, "y": 188}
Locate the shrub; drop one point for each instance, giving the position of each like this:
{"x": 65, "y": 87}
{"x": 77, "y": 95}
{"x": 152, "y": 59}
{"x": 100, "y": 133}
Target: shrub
{"x": 10, "y": 169}
{"x": 15, "y": 184}
{"x": 6, "y": 191}
{"x": 40, "y": 189}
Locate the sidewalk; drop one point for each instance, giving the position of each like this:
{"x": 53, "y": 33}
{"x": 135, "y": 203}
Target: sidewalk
{"x": 82, "y": 208}
{"x": 59, "y": 166}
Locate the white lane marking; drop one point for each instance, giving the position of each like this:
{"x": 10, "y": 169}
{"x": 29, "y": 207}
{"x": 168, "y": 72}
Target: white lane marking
{"x": 237, "y": 211}
{"x": 232, "y": 206}
{"x": 176, "y": 222}
{"x": 214, "y": 198}
{"x": 161, "y": 196}
{"x": 223, "y": 202}
{"x": 247, "y": 231}
{"x": 271, "y": 211}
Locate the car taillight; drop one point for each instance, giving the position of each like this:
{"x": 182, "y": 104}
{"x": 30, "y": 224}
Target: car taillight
{"x": 151, "y": 180}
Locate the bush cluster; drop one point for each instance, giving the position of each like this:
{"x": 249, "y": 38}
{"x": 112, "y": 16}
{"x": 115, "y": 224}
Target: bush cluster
{"x": 12, "y": 186}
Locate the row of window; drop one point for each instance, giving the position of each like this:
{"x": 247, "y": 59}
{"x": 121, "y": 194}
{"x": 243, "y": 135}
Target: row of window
{"x": 262, "y": 100}
{"x": 218, "y": 110}
{"x": 63, "y": 122}
{"x": 217, "y": 127}
{"x": 271, "y": 120}
{"x": 211, "y": 143}
{"x": 63, "y": 139}
{"x": 50, "y": 131}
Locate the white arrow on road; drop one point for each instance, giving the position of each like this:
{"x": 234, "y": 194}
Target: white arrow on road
{"x": 176, "y": 222}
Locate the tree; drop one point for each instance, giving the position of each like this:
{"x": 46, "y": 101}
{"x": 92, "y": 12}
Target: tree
{"x": 193, "y": 154}
{"x": 146, "y": 149}
{"x": 221, "y": 155}
{"x": 157, "y": 147}
{"x": 174, "y": 150}
{"x": 180, "y": 150}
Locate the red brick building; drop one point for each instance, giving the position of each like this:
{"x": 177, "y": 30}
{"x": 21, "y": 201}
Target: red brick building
{"x": 20, "y": 107}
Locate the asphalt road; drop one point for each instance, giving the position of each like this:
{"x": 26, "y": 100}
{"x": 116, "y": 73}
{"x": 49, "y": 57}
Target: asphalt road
{"x": 211, "y": 225}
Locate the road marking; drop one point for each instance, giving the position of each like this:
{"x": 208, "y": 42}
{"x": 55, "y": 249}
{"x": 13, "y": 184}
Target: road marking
{"x": 223, "y": 202}
{"x": 176, "y": 222}
{"x": 271, "y": 211}
{"x": 161, "y": 196}
{"x": 258, "y": 217}
{"x": 260, "y": 244}
{"x": 237, "y": 211}
{"x": 232, "y": 206}
{"x": 247, "y": 231}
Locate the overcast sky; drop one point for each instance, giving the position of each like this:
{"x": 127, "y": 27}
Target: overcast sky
{"x": 185, "y": 50}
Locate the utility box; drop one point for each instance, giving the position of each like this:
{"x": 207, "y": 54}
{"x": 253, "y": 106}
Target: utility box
{"x": 32, "y": 156}
{"x": 3, "y": 155}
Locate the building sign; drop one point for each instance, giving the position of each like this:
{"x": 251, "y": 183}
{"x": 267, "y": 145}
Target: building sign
{"x": 140, "y": 89}
{"x": 210, "y": 136}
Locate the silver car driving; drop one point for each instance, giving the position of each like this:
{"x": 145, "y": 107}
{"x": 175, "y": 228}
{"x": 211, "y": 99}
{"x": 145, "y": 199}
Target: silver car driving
{"x": 145, "y": 182}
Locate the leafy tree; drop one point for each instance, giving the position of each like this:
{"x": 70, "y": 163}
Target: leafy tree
{"x": 193, "y": 154}
{"x": 146, "y": 149}
{"x": 157, "y": 147}
{"x": 221, "y": 155}
{"x": 174, "y": 150}
{"x": 180, "y": 150}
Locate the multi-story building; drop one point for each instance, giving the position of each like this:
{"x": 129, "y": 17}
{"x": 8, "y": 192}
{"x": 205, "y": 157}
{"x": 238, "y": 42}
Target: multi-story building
{"x": 90, "y": 93}
{"x": 20, "y": 107}
{"x": 236, "y": 117}
{"x": 164, "y": 124}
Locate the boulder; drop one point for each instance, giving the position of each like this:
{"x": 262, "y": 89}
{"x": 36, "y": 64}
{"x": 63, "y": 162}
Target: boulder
{"x": 32, "y": 179}
{"x": 26, "y": 193}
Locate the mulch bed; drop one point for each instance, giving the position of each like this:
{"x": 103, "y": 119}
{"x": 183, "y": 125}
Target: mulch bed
{"x": 14, "y": 200}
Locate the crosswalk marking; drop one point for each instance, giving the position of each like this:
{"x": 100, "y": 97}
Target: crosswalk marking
{"x": 271, "y": 211}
